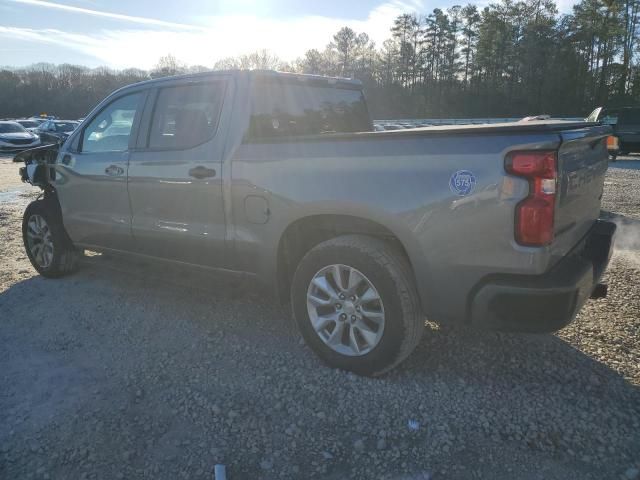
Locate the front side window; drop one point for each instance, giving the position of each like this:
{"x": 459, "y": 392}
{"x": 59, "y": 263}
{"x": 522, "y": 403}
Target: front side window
{"x": 186, "y": 116}
{"x": 288, "y": 109}
{"x": 110, "y": 130}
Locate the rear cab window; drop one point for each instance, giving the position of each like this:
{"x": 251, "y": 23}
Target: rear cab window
{"x": 290, "y": 107}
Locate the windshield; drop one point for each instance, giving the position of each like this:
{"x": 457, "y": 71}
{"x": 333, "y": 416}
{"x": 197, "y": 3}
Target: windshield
{"x": 66, "y": 127}
{"x": 11, "y": 128}
{"x": 27, "y": 123}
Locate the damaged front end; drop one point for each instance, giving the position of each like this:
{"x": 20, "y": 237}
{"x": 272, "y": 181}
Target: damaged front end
{"x": 38, "y": 165}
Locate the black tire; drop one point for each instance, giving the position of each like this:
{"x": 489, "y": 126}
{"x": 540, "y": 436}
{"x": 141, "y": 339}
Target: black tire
{"x": 623, "y": 153}
{"x": 613, "y": 157}
{"x": 65, "y": 257}
{"x": 391, "y": 275}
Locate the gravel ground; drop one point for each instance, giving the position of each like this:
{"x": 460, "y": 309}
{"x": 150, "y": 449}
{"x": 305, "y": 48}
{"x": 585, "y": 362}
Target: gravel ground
{"x": 136, "y": 371}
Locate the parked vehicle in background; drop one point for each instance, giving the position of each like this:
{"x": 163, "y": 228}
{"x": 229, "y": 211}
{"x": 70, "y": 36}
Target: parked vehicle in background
{"x": 627, "y": 129}
{"x": 15, "y": 138}
{"x": 626, "y": 126}
{"x": 281, "y": 177}
{"x": 56, "y": 131}
{"x": 30, "y": 124}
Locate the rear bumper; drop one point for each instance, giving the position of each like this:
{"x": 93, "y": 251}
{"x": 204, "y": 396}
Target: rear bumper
{"x": 547, "y": 302}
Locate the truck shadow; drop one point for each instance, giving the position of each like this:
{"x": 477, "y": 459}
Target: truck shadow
{"x": 478, "y": 356}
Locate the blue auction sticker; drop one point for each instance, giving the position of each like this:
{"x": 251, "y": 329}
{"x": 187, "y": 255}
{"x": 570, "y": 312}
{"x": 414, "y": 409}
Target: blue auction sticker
{"x": 462, "y": 183}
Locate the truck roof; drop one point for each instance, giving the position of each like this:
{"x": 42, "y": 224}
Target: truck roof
{"x": 303, "y": 77}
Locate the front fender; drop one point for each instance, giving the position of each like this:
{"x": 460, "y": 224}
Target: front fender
{"x": 38, "y": 161}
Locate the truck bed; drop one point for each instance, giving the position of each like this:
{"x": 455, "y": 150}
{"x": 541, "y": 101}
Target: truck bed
{"x": 545, "y": 126}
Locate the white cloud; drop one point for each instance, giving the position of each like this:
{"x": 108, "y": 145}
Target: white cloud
{"x": 100, "y": 13}
{"x": 215, "y": 38}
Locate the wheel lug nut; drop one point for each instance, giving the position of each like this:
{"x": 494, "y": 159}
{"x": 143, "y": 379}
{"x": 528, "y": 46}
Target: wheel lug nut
{"x": 343, "y": 316}
{"x": 338, "y": 306}
{"x": 341, "y": 296}
{"x": 353, "y": 298}
{"x": 353, "y": 318}
{"x": 357, "y": 308}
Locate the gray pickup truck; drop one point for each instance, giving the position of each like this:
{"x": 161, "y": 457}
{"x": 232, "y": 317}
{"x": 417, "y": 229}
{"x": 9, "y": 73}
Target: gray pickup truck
{"x": 281, "y": 177}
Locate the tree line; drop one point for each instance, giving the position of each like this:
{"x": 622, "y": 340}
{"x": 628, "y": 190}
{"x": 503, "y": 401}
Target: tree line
{"x": 511, "y": 58}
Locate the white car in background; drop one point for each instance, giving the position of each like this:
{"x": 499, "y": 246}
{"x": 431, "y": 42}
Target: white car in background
{"x": 14, "y": 138}
{"x": 30, "y": 124}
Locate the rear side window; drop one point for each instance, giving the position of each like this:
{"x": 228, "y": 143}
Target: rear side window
{"x": 186, "y": 116}
{"x": 630, "y": 116}
{"x": 281, "y": 109}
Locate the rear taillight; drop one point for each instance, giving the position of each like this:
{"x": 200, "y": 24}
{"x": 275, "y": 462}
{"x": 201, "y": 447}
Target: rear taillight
{"x": 612, "y": 142}
{"x": 535, "y": 214}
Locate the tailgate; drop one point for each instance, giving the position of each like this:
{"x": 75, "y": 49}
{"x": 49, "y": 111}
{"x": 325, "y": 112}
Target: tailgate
{"x": 582, "y": 165}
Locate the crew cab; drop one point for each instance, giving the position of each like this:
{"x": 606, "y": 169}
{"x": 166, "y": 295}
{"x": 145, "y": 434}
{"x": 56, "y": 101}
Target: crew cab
{"x": 282, "y": 177}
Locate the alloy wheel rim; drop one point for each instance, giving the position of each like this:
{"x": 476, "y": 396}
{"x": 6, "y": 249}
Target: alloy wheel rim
{"x": 39, "y": 241}
{"x": 345, "y": 310}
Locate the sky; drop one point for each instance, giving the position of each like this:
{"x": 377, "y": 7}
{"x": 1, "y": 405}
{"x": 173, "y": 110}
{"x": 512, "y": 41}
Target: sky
{"x": 136, "y": 33}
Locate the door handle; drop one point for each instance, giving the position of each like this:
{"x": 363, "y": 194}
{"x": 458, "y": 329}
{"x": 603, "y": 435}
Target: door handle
{"x": 202, "y": 172}
{"x": 114, "y": 170}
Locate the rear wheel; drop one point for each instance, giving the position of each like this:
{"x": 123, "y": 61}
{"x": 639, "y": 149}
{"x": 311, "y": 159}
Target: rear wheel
{"x": 48, "y": 247}
{"x": 356, "y": 305}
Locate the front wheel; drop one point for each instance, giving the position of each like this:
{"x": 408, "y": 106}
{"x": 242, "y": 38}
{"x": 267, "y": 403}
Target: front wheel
{"x": 48, "y": 247}
{"x": 356, "y": 304}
